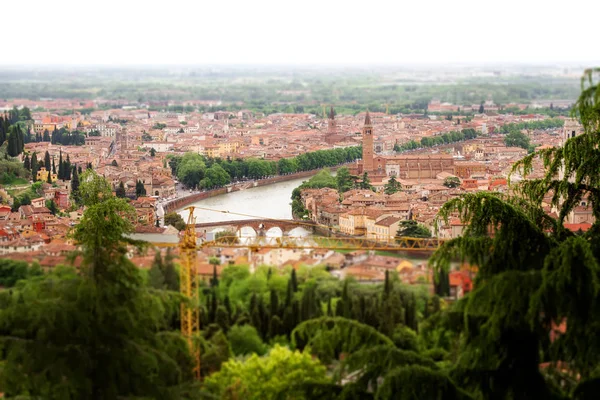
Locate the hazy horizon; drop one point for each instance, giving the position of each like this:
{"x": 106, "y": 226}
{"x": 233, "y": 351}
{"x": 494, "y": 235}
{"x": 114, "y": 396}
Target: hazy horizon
{"x": 267, "y": 32}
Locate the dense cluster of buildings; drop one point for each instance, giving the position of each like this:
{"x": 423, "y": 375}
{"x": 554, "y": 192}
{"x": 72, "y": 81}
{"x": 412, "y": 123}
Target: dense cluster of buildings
{"x": 129, "y": 146}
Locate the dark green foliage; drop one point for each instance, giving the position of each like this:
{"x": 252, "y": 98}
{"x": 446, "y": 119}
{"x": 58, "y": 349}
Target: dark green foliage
{"x": 170, "y": 273}
{"x": 517, "y": 139}
{"x": 328, "y": 337}
{"x": 393, "y": 186}
{"x": 416, "y": 382}
{"x": 344, "y": 180}
{"x": 156, "y": 277}
{"x": 446, "y": 138}
{"x": 175, "y": 220}
{"x": 245, "y": 340}
{"x": 413, "y": 229}
{"x": 51, "y": 205}
{"x": 452, "y": 182}
{"x": 140, "y": 189}
{"x": 66, "y": 138}
{"x": 47, "y": 162}
{"x": 13, "y": 271}
{"x": 194, "y": 170}
{"x": 95, "y": 335}
{"x": 120, "y": 192}
{"x": 544, "y": 275}
{"x": 375, "y": 362}
{"x": 75, "y": 185}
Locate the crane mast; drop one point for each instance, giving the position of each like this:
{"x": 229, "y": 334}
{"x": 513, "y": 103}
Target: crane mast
{"x": 190, "y": 312}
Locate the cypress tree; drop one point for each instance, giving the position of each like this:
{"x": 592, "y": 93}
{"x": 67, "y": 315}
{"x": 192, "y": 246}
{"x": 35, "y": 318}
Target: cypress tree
{"x": 227, "y": 304}
{"x": 2, "y": 130}
{"x": 49, "y": 178}
{"x": 12, "y": 149}
{"x": 75, "y": 185}
{"x": 222, "y": 318}
{"x": 61, "y": 167}
{"x": 156, "y": 279}
{"x": 34, "y": 167}
{"x": 53, "y": 166}
{"x": 170, "y": 273}
{"x": 214, "y": 282}
{"x": 274, "y": 306}
{"x": 294, "y": 281}
{"x": 120, "y": 192}
{"x": 27, "y": 163}
{"x": 68, "y": 169}
{"x": 47, "y": 162}
{"x": 442, "y": 285}
{"x": 387, "y": 286}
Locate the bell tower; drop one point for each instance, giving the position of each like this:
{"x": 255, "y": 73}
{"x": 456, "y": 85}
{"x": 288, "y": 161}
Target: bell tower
{"x": 367, "y": 143}
{"x": 331, "y": 129}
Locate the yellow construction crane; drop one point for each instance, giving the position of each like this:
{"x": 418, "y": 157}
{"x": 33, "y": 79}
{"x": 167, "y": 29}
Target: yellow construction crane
{"x": 387, "y": 109}
{"x": 324, "y": 107}
{"x": 190, "y": 312}
{"x": 256, "y": 243}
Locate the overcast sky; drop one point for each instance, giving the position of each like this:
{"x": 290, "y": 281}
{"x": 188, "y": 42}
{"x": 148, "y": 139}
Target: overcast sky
{"x": 299, "y": 32}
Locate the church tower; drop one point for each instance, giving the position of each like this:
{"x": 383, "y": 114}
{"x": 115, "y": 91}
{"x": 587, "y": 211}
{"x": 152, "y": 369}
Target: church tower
{"x": 331, "y": 129}
{"x": 331, "y": 137}
{"x": 367, "y": 143}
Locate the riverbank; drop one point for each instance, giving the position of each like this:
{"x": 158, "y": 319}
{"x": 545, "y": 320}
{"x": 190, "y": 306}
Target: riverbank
{"x": 182, "y": 202}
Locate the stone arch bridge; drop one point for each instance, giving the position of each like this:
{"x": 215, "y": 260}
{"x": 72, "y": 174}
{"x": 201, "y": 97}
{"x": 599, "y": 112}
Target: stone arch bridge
{"x": 260, "y": 226}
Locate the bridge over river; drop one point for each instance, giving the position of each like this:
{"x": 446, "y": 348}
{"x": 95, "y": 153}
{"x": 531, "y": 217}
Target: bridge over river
{"x": 260, "y": 227}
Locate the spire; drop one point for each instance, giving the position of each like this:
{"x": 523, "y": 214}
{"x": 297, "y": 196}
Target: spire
{"x": 331, "y": 113}
{"x": 367, "y": 119}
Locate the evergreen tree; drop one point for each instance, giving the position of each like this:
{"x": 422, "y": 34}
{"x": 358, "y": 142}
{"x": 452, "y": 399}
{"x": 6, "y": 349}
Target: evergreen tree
{"x": 170, "y": 273}
{"x": 13, "y": 146}
{"x": 156, "y": 278}
{"x": 366, "y": 183}
{"x": 3, "y": 130}
{"x": 51, "y": 205}
{"x": 120, "y": 192}
{"x": 294, "y": 281}
{"x": 392, "y": 186}
{"x": 140, "y": 190}
{"x": 442, "y": 284}
{"x": 27, "y": 163}
{"x": 67, "y": 169}
{"x": 47, "y": 163}
{"x": 214, "y": 282}
{"x": 53, "y": 166}
{"x": 61, "y": 167}
{"x": 49, "y": 177}
{"x": 75, "y": 185}
{"x": 34, "y": 167}
{"x": 481, "y": 109}
{"x": 118, "y": 353}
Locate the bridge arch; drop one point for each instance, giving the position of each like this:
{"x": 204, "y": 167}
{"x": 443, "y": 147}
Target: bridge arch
{"x": 246, "y": 231}
{"x": 274, "y": 231}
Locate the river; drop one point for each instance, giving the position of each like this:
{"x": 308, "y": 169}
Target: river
{"x": 270, "y": 201}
